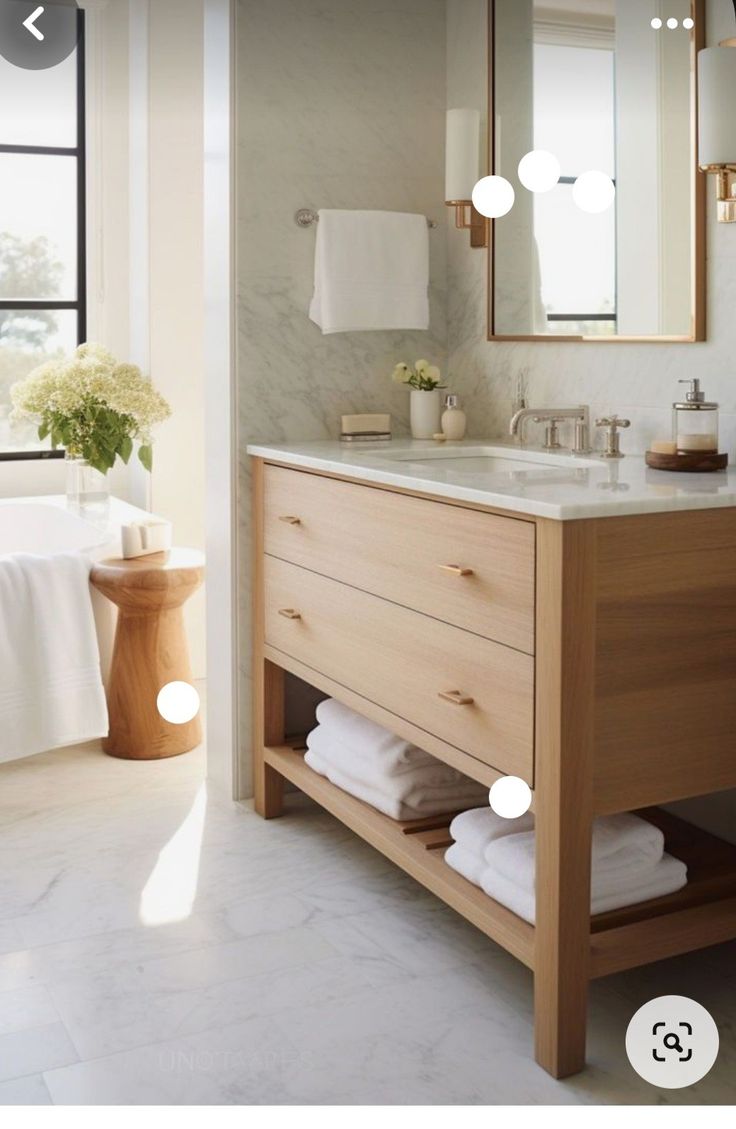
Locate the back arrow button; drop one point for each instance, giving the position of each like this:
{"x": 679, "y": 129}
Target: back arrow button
{"x": 30, "y": 23}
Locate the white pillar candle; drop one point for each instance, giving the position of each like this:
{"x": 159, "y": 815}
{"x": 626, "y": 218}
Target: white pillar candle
{"x": 462, "y": 154}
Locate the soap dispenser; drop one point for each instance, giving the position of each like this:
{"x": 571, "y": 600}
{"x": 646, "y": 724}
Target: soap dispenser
{"x": 454, "y": 421}
{"x": 695, "y": 423}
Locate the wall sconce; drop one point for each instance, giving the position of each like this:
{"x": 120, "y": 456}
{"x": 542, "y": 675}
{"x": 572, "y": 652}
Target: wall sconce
{"x": 462, "y": 169}
{"x": 717, "y": 122}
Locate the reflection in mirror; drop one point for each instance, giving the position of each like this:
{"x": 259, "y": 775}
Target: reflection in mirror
{"x": 603, "y": 90}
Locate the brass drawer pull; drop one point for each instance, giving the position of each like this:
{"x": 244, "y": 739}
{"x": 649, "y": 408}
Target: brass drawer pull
{"x": 456, "y": 697}
{"x": 289, "y": 613}
{"x": 456, "y": 570}
{"x": 291, "y": 520}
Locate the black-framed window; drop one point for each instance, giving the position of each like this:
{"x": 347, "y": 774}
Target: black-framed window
{"x": 43, "y": 254}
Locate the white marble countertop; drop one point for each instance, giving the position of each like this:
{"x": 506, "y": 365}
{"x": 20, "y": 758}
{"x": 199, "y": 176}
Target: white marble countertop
{"x": 529, "y": 481}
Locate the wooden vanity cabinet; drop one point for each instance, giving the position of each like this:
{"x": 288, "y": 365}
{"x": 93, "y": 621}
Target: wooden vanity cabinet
{"x": 595, "y": 658}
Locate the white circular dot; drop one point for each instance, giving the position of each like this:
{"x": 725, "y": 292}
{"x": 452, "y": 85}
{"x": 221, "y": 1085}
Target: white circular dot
{"x": 688, "y": 23}
{"x": 593, "y": 192}
{"x": 510, "y": 797}
{"x": 493, "y": 196}
{"x": 672, "y": 23}
{"x": 178, "y": 703}
{"x": 656, "y": 23}
{"x": 539, "y": 171}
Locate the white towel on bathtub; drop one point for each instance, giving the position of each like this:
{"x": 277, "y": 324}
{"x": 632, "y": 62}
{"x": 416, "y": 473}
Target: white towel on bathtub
{"x": 51, "y": 691}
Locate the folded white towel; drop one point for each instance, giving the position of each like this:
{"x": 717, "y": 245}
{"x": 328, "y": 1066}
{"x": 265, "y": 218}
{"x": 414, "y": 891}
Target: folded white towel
{"x": 369, "y": 741}
{"x": 51, "y": 691}
{"x": 621, "y": 845}
{"x": 371, "y": 271}
{"x": 469, "y": 864}
{"x": 424, "y": 802}
{"x": 667, "y": 876}
{"x": 474, "y": 830}
{"x": 371, "y": 770}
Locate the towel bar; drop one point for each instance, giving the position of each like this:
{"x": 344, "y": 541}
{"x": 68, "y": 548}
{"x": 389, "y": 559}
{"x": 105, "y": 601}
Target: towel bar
{"x": 307, "y": 217}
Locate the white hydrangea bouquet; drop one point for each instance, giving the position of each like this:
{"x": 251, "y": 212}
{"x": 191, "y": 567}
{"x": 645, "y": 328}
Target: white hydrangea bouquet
{"x": 92, "y": 406}
{"x": 424, "y": 377}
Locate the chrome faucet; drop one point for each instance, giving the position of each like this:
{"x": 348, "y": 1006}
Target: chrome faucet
{"x": 553, "y": 417}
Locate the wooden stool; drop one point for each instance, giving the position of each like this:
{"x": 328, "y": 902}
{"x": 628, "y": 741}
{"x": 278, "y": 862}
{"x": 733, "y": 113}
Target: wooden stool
{"x": 150, "y": 650}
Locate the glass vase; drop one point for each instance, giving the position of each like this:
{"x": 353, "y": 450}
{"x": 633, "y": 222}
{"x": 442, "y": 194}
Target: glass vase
{"x": 87, "y": 489}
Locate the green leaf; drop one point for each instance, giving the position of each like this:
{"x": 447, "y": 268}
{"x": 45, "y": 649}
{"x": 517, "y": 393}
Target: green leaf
{"x": 125, "y": 450}
{"x": 44, "y": 431}
{"x": 145, "y": 454}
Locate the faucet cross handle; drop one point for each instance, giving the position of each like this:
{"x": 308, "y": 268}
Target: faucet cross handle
{"x": 612, "y": 424}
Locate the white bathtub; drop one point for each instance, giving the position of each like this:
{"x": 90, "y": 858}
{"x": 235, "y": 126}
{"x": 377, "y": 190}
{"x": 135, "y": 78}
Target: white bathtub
{"x": 43, "y": 529}
{"x": 45, "y": 526}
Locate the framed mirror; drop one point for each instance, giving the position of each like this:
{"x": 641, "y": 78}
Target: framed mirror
{"x": 608, "y": 87}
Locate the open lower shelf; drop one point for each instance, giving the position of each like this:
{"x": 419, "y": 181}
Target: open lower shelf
{"x": 701, "y": 914}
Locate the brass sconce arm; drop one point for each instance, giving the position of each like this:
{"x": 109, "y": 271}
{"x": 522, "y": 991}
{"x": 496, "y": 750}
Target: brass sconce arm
{"x": 468, "y": 218}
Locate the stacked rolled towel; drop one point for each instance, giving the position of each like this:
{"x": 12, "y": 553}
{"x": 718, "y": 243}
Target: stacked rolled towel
{"x": 628, "y": 861}
{"x": 374, "y": 765}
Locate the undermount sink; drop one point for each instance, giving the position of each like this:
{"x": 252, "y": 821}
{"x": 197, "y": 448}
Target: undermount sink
{"x": 485, "y": 459}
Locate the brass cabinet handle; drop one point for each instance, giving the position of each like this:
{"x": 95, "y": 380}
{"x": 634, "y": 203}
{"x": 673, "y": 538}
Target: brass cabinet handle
{"x": 290, "y": 519}
{"x": 456, "y": 570}
{"x": 456, "y": 697}
{"x": 289, "y": 613}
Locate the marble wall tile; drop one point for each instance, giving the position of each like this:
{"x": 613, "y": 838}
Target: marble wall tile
{"x": 341, "y": 104}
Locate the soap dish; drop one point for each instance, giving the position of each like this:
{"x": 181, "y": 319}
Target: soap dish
{"x": 695, "y": 463}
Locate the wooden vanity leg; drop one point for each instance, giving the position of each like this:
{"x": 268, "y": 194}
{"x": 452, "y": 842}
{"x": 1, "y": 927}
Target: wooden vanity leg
{"x": 268, "y": 785}
{"x": 563, "y": 791}
{"x": 269, "y": 705}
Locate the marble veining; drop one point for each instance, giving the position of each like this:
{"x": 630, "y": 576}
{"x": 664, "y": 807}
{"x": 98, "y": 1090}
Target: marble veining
{"x": 309, "y": 969}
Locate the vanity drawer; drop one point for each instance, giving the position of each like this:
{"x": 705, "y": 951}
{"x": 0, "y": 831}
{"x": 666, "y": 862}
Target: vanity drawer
{"x": 470, "y": 692}
{"x": 469, "y": 568}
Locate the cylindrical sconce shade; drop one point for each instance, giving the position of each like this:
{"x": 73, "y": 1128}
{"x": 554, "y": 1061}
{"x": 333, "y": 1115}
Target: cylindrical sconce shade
{"x": 717, "y": 106}
{"x": 462, "y": 154}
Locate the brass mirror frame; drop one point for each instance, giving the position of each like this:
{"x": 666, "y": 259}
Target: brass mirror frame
{"x": 698, "y": 218}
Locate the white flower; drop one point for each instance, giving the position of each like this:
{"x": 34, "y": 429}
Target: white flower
{"x": 420, "y": 366}
{"x": 431, "y": 372}
{"x": 401, "y": 374}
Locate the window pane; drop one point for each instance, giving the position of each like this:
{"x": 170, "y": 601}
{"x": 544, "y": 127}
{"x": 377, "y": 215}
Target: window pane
{"x": 27, "y": 339}
{"x": 39, "y": 107}
{"x": 574, "y": 107}
{"x": 577, "y": 256}
{"x": 38, "y": 227}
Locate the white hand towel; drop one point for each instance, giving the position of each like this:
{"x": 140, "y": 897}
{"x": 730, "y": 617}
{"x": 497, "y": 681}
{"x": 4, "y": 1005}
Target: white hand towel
{"x": 446, "y": 800}
{"x": 51, "y": 691}
{"x": 399, "y": 781}
{"x": 366, "y": 739}
{"x": 474, "y": 830}
{"x": 621, "y": 845}
{"x": 666, "y": 877}
{"x": 371, "y": 271}
{"x": 467, "y": 863}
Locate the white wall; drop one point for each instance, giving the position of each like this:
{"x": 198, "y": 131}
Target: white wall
{"x": 341, "y": 104}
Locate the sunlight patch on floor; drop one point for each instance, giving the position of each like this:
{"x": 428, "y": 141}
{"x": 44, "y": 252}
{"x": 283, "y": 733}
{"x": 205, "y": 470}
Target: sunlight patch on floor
{"x": 169, "y": 893}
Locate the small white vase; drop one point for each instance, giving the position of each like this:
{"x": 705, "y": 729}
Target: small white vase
{"x": 425, "y": 413}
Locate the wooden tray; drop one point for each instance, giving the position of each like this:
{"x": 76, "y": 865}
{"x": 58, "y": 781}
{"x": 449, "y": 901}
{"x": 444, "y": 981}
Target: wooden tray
{"x": 692, "y": 464}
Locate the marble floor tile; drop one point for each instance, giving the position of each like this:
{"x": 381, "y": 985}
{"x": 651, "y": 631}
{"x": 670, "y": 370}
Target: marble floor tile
{"x": 301, "y": 967}
{"x": 34, "y": 1050}
{"x": 30, "y": 1090}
